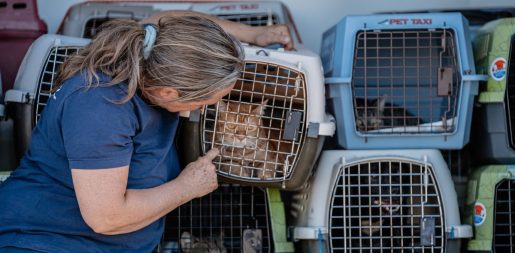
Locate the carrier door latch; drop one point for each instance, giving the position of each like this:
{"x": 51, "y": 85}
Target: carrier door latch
{"x": 292, "y": 125}
{"x": 445, "y": 74}
{"x": 445, "y": 82}
{"x": 427, "y": 231}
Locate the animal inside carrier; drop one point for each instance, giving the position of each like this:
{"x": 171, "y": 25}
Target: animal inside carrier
{"x": 34, "y": 83}
{"x": 270, "y": 128}
{"x": 84, "y": 19}
{"x": 396, "y": 81}
{"x": 231, "y": 219}
{"x": 379, "y": 201}
{"x": 491, "y": 209}
{"x": 494, "y": 123}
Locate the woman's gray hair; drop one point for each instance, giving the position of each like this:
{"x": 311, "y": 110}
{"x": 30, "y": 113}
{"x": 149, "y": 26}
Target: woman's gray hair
{"x": 191, "y": 54}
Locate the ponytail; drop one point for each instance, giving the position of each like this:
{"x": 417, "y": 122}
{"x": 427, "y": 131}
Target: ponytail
{"x": 116, "y": 51}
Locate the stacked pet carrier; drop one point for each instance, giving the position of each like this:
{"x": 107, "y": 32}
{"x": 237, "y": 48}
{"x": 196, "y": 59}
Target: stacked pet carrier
{"x": 84, "y": 19}
{"x": 233, "y": 218}
{"x": 491, "y": 192}
{"x": 400, "y": 87}
{"x": 284, "y": 94}
{"x": 271, "y": 127}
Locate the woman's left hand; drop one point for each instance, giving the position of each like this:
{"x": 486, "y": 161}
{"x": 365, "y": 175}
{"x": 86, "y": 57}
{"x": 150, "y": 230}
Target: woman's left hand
{"x": 266, "y": 35}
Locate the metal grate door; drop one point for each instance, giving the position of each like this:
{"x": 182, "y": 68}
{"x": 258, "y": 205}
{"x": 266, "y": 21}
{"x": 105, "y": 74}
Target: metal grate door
{"x": 386, "y": 205}
{"x": 405, "y": 81}
{"x": 231, "y": 218}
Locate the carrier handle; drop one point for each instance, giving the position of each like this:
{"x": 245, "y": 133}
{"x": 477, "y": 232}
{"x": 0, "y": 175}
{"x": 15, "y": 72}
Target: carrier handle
{"x": 326, "y": 128}
{"x": 459, "y": 231}
{"x": 474, "y": 78}
{"x": 309, "y": 233}
{"x": 111, "y": 14}
{"x": 18, "y": 96}
{"x": 338, "y": 80}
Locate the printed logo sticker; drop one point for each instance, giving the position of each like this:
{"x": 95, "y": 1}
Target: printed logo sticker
{"x": 498, "y": 69}
{"x": 479, "y": 214}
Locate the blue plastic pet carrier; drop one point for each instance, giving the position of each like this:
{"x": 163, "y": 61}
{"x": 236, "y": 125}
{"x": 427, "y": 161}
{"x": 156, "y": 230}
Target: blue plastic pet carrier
{"x": 401, "y": 81}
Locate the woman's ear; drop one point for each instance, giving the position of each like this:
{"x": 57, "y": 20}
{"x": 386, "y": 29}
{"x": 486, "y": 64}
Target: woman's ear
{"x": 165, "y": 93}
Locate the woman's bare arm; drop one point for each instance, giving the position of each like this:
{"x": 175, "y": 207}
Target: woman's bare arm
{"x": 258, "y": 35}
{"x": 108, "y": 207}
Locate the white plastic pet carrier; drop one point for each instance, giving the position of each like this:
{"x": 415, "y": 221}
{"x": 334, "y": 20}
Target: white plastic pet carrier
{"x": 231, "y": 219}
{"x": 34, "y": 82}
{"x": 83, "y": 19}
{"x": 379, "y": 201}
{"x": 270, "y": 128}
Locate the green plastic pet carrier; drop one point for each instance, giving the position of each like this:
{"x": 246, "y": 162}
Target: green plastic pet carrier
{"x": 491, "y": 209}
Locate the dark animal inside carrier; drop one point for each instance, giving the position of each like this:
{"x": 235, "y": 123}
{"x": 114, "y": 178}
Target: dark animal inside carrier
{"x": 386, "y": 205}
{"x": 504, "y": 217}
{"x": 259, "y": 127}
{"x": 405, "y": 81}
{"x": 232, "y": 218}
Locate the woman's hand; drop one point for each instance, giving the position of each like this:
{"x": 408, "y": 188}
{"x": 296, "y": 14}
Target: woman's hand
{"x": 266, "y": 35}
{"x": 200, "y": 175}
{"x": 258, "y": 35}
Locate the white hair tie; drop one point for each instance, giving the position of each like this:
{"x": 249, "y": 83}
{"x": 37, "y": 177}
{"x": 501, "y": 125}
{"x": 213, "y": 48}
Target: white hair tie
{"x": 150, "y": 39}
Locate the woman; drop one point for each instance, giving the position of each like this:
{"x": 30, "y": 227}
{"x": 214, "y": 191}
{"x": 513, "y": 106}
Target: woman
{"x": 101, "y": 171}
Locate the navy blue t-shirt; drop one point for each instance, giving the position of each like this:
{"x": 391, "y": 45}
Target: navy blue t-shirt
{"x": 86, "y": 129}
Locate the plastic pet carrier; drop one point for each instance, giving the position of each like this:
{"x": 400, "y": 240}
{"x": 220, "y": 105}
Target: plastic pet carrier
{"x": 83, "y": 19}
{"x": 491, "y": 209}
{"x": 20, "y": 25}
{"x": 263, "y": 13}
{"x": 34, "y": 82}
{"x": 494, "y": 122}
{"x": 271, "y": 127}
{"x": 4, "y": 175}
{"x": 400, "y": 81}
{"x": 378, "y": 201}
{"x": 231, "y": 219}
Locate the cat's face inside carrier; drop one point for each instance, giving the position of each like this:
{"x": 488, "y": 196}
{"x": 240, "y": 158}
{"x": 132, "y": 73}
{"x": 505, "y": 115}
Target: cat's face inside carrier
{"x": 369, "y": 114}
{"x": 244, "y": 143}
{"x": 239, "y": 124}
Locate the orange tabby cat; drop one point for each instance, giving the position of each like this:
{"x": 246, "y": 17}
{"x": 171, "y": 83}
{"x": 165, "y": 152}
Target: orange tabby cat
{"x": 243, "y": 141}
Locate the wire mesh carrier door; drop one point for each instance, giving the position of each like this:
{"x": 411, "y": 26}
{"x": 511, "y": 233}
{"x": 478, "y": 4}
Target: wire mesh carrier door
{"x": 491, "y": 209}
{"x": 231, "y": 219}
{"x": 379, "y": 201}
{"x": 84, "y": 19}
{"x": 401, "y": 77}
{"x": 34, "y": 83}
{"x": 263, "y": 127}
{"x": 494, "y": 123}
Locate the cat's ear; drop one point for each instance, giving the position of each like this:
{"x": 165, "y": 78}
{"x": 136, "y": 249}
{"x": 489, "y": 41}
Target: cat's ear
{"x": 222, "y": 105}
{"x": 260, "y": 109}
{"x": 186, "y": 241}
{"x": 381, "y": 102}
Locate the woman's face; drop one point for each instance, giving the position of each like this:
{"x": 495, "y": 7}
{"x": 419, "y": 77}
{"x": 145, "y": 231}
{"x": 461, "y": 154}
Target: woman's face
{"x": 178, "y": 106}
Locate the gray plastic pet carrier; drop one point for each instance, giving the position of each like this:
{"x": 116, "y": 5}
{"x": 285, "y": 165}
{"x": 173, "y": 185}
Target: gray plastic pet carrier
{"x": 270, "y": 128}
{"x": 231, "y": 219}
{"x": 84, "y": 19}
{"x": 378, "y": 201}
{"x": 34, "y": 82}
